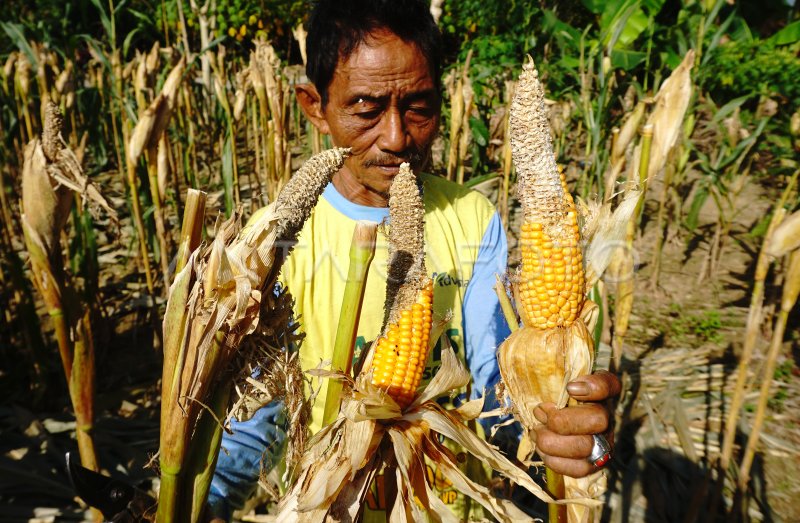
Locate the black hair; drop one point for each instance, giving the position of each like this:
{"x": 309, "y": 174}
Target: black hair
{"x": 337, "y": 27}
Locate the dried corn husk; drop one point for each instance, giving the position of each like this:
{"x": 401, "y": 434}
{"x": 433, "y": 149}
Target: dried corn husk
{"x": 343, "y": 457}
{"x": 51, "y": 173}
{"x": 671, "y": 103}
{"x": 545, "y": 361}
{"x": 300, "y": 34}
{"x": 786, "y": 237}
{"x": 156, "y": 117}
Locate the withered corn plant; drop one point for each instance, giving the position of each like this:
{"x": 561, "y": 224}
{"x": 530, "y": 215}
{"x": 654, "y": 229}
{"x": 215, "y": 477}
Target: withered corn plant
{"x": 51, "y": 174}
{"x": 213, "y": 304}
{"x": 659, "y": 136}
{"x": 785, "y": 242}
{"x": 386, "y": 422}
{"x": 149, "y": 136}
{"x": 559, "y": 267}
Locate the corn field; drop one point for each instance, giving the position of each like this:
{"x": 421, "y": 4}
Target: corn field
{"x": 131, "y": 156}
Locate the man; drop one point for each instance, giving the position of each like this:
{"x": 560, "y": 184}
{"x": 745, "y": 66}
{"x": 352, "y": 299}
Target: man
{"x": 375, "y": 70}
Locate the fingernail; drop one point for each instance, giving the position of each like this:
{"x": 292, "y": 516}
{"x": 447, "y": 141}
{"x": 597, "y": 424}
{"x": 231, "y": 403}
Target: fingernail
{"x": 578, "y": 388}
{"x": 540, "y": 414}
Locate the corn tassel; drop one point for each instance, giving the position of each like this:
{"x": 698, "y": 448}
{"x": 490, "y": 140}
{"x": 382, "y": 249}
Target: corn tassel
{"x": 401, "y": 352}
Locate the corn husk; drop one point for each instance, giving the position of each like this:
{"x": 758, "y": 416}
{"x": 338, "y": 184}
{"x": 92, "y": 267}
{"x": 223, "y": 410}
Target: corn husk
{"x": 372, "y": 432}
{"x": 300, "y": 34}
{"x": 786, "y": 237}
{"x": 671, "y": 104}
{"x": 156, "y": 117}
{"x": 545, "y": 361}
{"x": 51, "y": 174}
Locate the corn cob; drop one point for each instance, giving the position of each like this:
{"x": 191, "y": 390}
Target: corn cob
{"x": 554, "y": 346}
{"x": 401, "y": 352}
{"x": 551, "y": 284}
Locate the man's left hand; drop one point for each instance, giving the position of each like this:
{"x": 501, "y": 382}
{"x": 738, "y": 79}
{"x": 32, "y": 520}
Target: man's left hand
{"x": 565, "y": 440}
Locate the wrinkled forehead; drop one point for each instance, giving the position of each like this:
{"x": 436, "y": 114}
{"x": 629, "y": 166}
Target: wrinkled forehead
{"x": 382, "y": 51}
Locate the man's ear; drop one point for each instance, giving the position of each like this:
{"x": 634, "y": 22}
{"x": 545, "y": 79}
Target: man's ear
{"x": 311, "y": 104}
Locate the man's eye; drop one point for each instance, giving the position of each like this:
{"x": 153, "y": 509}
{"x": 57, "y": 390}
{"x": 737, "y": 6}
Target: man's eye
{"x": 421, "y": 109}
{"x": 368, "y": 114}
{"x": 420, "y": 112}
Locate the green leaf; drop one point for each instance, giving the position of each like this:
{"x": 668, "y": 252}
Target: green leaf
{"x": 627, "y": 60}
{"x": 480, "y": 133}
{"x": 227, "y": 173}
{"x": 715, "y": 40}
{"x": 693, "y": 216}
{"x": 475, "y": 180}
{"x": 559, "y": 28}
{"x": 595, "y": 6}
{"x": 729, "y": 108}
{"x": 14, "y": 32}
{"x": 103, "y": 17}
{"x": 788, "y": 35}
{"x": 622, "y": 22}
{"x": 128, "y": 38}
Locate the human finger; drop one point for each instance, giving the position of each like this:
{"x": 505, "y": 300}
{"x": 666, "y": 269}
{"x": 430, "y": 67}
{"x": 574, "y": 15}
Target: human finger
{"x": 578, "y": 420}
{"x": 595, "y": 387}
{"x": 575, "y": 468}
{"x": 553, "y": 444}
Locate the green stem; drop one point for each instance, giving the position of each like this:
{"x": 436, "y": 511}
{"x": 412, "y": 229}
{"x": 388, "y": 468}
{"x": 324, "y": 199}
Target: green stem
{"x": 555, "y": 484}
{"x": 168, "y": 497}
{"x": 191, "y": 228}
{"x": 204, "y": 450}
{"x": 505, "y": 305}
{"x": 362, "y": 250}
{"x": 644, "y": 166}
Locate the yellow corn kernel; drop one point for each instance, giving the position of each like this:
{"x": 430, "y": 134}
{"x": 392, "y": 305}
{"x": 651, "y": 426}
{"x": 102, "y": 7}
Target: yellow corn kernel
{"x": 552, "y": 273}
{"x": 401, "y": 353}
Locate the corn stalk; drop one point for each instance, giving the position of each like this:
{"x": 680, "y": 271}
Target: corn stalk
{"x": 51, "y": 173}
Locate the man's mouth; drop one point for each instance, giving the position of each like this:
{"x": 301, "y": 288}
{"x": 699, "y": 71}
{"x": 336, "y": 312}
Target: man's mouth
{"x": 389, "y": 168}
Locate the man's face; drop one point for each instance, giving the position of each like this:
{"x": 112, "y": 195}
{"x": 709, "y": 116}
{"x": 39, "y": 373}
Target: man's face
{"x": 382, "y": 103}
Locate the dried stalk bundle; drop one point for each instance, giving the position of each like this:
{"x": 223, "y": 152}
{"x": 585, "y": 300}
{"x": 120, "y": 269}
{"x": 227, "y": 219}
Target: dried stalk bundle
{"x": 213, "y": 304}
{"x": 380, "y": 428}
{"x": 554, "y": 345}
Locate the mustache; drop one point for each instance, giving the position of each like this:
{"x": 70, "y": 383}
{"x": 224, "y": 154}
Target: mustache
{"x": 415, "y": 157}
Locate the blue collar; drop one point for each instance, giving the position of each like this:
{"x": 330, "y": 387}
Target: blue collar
{"x": 352, "y": 210}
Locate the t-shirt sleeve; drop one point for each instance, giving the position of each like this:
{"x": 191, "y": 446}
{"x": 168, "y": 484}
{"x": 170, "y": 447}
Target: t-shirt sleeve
{"x": 485, "y": 327}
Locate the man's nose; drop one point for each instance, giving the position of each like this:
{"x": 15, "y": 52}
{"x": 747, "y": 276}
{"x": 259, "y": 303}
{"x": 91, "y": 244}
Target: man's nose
{"x": 393, "y": 134}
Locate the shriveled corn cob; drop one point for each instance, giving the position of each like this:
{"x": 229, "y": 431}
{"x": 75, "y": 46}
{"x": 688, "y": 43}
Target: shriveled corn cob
{"x": 551, "y": 280}
{"x": 402, "y": 350}
{"x": 553, "y": 346}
